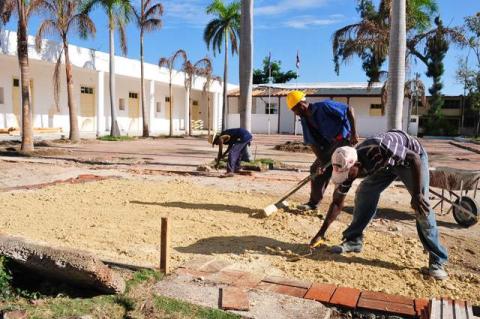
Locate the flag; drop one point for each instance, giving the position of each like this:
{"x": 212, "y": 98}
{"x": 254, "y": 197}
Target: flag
{"x": 298, "y": 60}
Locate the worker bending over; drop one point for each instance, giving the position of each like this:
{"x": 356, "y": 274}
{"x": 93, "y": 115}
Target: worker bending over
{"x": 381, "y": 159}
{"x": 237, "y": 140}
{"x": 326, "y": 125}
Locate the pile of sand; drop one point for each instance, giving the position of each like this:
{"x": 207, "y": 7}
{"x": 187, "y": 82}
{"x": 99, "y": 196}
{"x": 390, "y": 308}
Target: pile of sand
{"x": 120, "y": 220}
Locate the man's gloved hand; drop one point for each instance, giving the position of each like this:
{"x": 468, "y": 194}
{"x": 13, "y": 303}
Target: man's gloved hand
{"x": 317, "y": 240}
{"x": 420, "y": 205}
{"x": 354, "y": 139}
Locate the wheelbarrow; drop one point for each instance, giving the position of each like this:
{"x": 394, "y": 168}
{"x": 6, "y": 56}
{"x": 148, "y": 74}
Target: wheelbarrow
{"x": 457, "y": 186}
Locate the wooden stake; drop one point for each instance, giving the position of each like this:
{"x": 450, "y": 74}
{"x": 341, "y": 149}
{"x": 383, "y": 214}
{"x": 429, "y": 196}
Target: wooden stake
{"x": 164, "y": 243}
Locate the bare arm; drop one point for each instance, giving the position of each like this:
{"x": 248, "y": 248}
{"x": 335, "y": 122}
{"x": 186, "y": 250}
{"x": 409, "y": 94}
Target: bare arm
{"x": 333, "y": 211}
{"x": 351, "y": 119}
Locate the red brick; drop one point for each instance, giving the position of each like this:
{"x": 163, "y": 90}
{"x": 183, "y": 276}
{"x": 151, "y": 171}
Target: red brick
{"x": 282, "y": 289}
{"x": 198, "y": 262}
{"x": 421, "y": 304}
{"x": 287, "y": 282}
{"x": 345, "y": 297}
{"x": 233, "y": 298}
{"x": 386, "y": 306}
{"x": 386, "y": 297}
{"x": 214, "y": 266}
{"x": 229, "y": 277}
{"x": 321, "y": 292}
{"x": 248, "y": 280}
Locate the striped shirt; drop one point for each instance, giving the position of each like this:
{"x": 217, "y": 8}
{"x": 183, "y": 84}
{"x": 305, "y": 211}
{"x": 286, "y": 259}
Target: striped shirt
{"x": 384, "y": 151}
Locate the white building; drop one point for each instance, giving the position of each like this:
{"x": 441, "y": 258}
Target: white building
{"x": 90, "y": 76}
{"x": 369, "y": 112}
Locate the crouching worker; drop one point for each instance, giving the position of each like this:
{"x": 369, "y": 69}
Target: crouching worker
{"x": 326, "y": 125}
{"x": 381, "y": 159}
{"x": 237, "y": 140}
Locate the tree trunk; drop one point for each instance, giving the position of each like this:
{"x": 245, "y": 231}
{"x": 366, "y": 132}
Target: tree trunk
{"x": 396, "y": 65}
{"x": 74, "y": 135}
{"x": 246, "y": 70}
{"x": 171, "y": 105}
{"x": 22, "y": 49}
{"x": 209, "y": 127}
{"x": 225, "y": 81}
{"x": 189, "y": 111}
{"x": 114, "y": 129}
{"x": 142, "y": 89}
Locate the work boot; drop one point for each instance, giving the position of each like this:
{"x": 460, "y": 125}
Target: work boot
{"x": 347, "y": 247}
{"x": 306, "y": 207}
{"x": 436, "y": 271}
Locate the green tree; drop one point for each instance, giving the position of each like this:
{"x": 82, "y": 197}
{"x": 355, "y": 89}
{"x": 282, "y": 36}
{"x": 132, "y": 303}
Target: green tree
{"x": 368, "y": 39}
{"x": 23, "y": 9}
{"x": 148, "y": 19}
{"x": 436, "y": 43}
{"x": 118, "y": 13}
{"x": 62, "y": 18}
{"x": 223, "y": 29}
{"x": 260, "y": 76}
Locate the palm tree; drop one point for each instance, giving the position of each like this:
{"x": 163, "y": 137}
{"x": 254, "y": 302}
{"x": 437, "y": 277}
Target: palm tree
{"x": 24, "y": 10}
{"x": 225, "y": 27}
{"x": 63, "y": 17}
{"x": 246, "y": 67}
{"x": 148, "y": 19}
{"x": 396, "y": 66}
{"x": 118, "y": 13}
{"x": 189, "y": 70}
{"x": 369, "y": 38}
{"x": 169, "y": 62}
{"x": 209, "y": 80}
{"x": 204, "y": 68}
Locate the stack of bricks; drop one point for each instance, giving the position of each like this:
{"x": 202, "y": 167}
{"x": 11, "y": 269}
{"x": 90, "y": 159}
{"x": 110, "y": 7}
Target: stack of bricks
{"x": 329, "y": 294}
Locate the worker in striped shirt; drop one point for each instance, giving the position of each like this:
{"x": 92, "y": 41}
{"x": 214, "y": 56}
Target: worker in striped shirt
{"x": 382, "y": 159}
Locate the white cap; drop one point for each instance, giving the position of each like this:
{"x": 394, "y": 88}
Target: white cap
{"x": 342, "y": 160}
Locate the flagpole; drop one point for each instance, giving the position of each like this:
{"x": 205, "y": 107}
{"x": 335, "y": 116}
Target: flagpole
{"x": 269, "y": 90}
{"x": 297, "y": 64}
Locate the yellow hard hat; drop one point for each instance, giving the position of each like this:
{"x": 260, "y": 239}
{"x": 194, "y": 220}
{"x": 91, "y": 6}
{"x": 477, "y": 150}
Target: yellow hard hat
{"x": 294, "y": 97}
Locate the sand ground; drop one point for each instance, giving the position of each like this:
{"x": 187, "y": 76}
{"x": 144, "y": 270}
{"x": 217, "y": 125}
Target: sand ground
{"x": 119, "y": 220}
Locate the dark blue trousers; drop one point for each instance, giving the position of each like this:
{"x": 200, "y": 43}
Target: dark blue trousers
{"x": 235, "y": 156}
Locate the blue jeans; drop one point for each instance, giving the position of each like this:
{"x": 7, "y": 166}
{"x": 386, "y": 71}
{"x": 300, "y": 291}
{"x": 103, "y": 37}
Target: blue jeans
{"x": 235, "y": 156}
{"x": 366, "y": 202}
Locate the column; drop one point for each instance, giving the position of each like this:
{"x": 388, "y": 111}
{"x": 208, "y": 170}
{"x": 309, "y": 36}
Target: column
{"x": 151, "y": 105}
{"x": 100, "y": 96}
{"x": 215, "y": 112}
{"x": 187, "y": 110}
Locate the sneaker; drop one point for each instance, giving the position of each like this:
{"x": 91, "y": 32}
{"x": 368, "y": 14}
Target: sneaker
{"x": 347, "y": 247}
{"x": 306, "y": 207}
{"x": 437, "y": 272}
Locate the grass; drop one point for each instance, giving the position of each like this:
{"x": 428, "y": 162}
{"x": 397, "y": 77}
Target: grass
{"x": 139, "y": 302}
{"x": 110, "y": 138}
{"x": 175, "y": 307}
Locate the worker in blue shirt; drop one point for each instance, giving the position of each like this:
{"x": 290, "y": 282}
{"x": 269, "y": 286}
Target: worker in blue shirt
{"x": 326, "y": 126}
{"x": 237, "y": 140}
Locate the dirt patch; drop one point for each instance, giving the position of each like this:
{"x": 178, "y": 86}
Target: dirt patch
{"x": 84, "y": 178}
{"x": 296, "y": 147}
{"x": 120, "y": 220}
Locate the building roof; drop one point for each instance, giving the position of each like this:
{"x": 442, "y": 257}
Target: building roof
{"x": 316, "y": 89}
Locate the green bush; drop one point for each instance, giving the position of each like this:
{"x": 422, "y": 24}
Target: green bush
{"x": 6, "y": 290}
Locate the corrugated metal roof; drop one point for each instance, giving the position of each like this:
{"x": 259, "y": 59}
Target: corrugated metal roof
{"x": 321, "y": 89}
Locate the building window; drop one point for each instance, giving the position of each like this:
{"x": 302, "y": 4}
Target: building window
{"x": 195, "y": 103}
{"x": 167, "y": 99}
{"x": 271, "y": 108}
{"x": 16, "y": 83}
{"x": 132, "y": 95}
{"x": 376, "y": 110}
{"x": 121, "y": 104}
{"x": 2, "y": 99}
{"x": 159, "y": 107}
{"x": 86, "y": 90}
{"x": 452, "y": 104}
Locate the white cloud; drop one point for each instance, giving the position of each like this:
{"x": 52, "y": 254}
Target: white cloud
{"x": 287, "y": 6}
{"x": 303, "y": 22}
{"x": 185, "y": 12}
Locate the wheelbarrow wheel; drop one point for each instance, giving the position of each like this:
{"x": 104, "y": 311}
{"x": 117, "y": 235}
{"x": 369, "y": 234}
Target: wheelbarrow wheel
{"x": 463, "y": 218}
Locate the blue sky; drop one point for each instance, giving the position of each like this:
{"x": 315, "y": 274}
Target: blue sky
{"x": 282, "y": 27}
